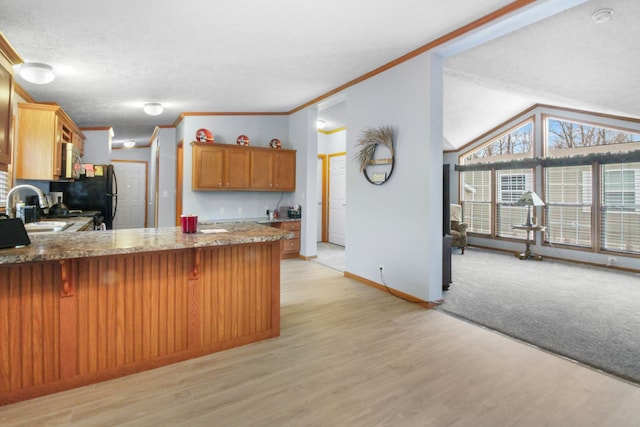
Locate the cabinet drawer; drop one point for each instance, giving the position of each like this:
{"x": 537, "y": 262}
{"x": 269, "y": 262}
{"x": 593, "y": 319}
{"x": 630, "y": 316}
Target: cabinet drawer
{"x": 296, "y": 234}
{"x": 291, "y": 225}
{"x": 291, "y": 246}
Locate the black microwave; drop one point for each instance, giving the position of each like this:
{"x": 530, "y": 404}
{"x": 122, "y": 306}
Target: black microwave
{"x": 71, "y": 161}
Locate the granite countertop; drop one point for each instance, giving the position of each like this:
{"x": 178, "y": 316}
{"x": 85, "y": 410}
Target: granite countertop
{"x": 61, "y": 245}
{"x": 260, "y": 220}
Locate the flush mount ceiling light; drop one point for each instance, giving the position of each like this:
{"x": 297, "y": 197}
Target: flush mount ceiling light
{"x": 602, "y": 15}
{"x": 320, "y": 124}
{"x": 129, "y": 144}
{"x": 37, "y": 73}
{"x": 153, "y": 108}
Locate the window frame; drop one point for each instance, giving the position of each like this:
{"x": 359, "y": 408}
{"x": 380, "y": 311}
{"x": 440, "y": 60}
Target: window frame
{"x": 592, "y": 157}
{"x": 494, "y": 203}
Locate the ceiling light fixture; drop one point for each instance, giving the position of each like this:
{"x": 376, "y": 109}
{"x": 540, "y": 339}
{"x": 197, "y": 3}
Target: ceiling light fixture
{"x": 37, "y": 73}
{"x": 320, "y": 124}
{"x": 153, "y": 108}
{"x": 129, "y": 144}
{"x": 602, "y": 15}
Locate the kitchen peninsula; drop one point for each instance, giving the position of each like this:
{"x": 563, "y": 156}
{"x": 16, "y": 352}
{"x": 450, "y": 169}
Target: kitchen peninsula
{"x": 78, "y": 308}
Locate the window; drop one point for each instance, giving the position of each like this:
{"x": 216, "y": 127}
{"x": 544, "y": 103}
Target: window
{"x": 619, "y": 186}
{"x": 591, "y": 177}
{"x": 517, "y": 143}
{"x": 568, "y": 216}
{"x": 4, "y": 187}
{"x": 477, "y": 201}
{"x": 511, "y": 184}
{"x": 620, "y": 207}
{"x": 511, "y": 187}
{"x": 569, "y": 138}
{"x": 479, "y": 197}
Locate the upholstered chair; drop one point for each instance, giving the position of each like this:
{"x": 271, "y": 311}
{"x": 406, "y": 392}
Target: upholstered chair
{"x": 458, "y": 228}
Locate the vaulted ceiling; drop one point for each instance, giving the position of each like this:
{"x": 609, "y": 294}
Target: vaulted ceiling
{"x": 250, "y": 56}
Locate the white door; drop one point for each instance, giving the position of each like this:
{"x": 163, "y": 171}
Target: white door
{"x": 337, "y": 199}
{"x": 319, "y": 200}
{"x": 132, "y": 194}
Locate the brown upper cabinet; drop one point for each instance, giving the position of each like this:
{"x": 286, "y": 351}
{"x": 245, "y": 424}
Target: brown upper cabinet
{"x": 42, "y": 128}
{"x": 8, "y": 58}
{"x": 230, "y": 167}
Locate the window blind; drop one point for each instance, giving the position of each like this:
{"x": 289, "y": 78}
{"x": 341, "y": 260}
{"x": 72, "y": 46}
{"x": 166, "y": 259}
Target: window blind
{"x": 476, "y": 201}
{"x": 568, "y": 212}
{"x": 620, "y": 207}
{"x": 511, "y": 183}
{"x": 4, "y": 187}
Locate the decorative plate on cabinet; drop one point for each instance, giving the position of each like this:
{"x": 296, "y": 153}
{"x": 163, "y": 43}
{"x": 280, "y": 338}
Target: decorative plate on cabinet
{"x": 275, "y": 143}
{"x": 204, "y": 135}
{"x": 243, "y": 140}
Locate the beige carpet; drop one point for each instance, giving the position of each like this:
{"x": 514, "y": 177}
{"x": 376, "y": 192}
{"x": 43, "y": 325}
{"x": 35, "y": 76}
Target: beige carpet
{"x": 588, "y": 314}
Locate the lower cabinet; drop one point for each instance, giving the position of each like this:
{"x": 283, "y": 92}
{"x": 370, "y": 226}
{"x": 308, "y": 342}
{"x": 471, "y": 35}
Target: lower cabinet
{"x": 290, "y": 247}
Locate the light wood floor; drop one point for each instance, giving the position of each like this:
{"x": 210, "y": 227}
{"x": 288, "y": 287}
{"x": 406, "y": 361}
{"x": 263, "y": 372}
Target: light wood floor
{"x": 350, "y": 355}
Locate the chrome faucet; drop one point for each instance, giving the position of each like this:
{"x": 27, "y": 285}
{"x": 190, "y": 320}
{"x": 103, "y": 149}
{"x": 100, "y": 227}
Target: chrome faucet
{"x": 42, "y": 199}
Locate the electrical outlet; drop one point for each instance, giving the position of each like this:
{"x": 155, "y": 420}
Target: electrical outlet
{"x": 221, "y": 211}
{"x": 239, "y": 209}
{"x": 610, "y": 261}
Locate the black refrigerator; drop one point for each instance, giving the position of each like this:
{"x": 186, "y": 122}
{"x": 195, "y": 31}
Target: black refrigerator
{"x": 92, "y": 193}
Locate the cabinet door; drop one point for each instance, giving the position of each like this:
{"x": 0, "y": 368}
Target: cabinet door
{"x": 78, "y": 142}
{"x": 37, "y": 151}
{"x": 57, "y": 147}
{"x": 5, "y": 116}
{"x": 238, "y": 166}
{"x": 207, "y": 168}
{"x": 261, "y": 170}
{"x": 284, "y": 171}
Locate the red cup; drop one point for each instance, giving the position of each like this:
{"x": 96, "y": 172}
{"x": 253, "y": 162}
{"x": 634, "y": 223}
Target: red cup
{"x": 189, "y": 223}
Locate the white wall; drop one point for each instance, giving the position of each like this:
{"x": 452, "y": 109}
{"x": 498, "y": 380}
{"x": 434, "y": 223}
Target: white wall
{"x": 335, "y": 142}
{"x": 302, "y": 130}
{"x": 166, "y": 143}
{"x": 97, "y": 146}
{"x": 215, "y": 205}
{"x": 142, "y": 154}
{"x": 399, "y": 224}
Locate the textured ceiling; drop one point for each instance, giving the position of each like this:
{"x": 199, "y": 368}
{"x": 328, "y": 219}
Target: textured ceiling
{"x": 566, "y": 60}
{"x": 246, "y": 56}
{"x": 195, "y": 56}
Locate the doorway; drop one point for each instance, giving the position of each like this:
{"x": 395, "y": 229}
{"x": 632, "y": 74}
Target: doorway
{"x": 337, "y": 198}
{"x": 331, "y": 183}
{"x": 132, "y": 194}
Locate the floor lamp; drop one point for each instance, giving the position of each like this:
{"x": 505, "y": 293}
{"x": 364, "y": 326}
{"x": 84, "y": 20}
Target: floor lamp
{"x": 528, "y": 199}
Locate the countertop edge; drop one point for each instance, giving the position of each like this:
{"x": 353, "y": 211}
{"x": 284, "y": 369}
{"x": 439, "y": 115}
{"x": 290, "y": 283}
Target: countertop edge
{"x": 130, "y": 241}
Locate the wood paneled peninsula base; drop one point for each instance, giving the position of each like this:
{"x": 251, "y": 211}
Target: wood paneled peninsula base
{"x": 80, "y": 308}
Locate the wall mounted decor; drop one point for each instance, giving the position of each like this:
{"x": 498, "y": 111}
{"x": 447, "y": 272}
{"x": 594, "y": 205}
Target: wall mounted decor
{"x": 376, "y": 171}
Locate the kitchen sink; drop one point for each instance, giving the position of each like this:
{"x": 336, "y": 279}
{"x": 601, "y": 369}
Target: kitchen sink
{"x": 42, "y": 226}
